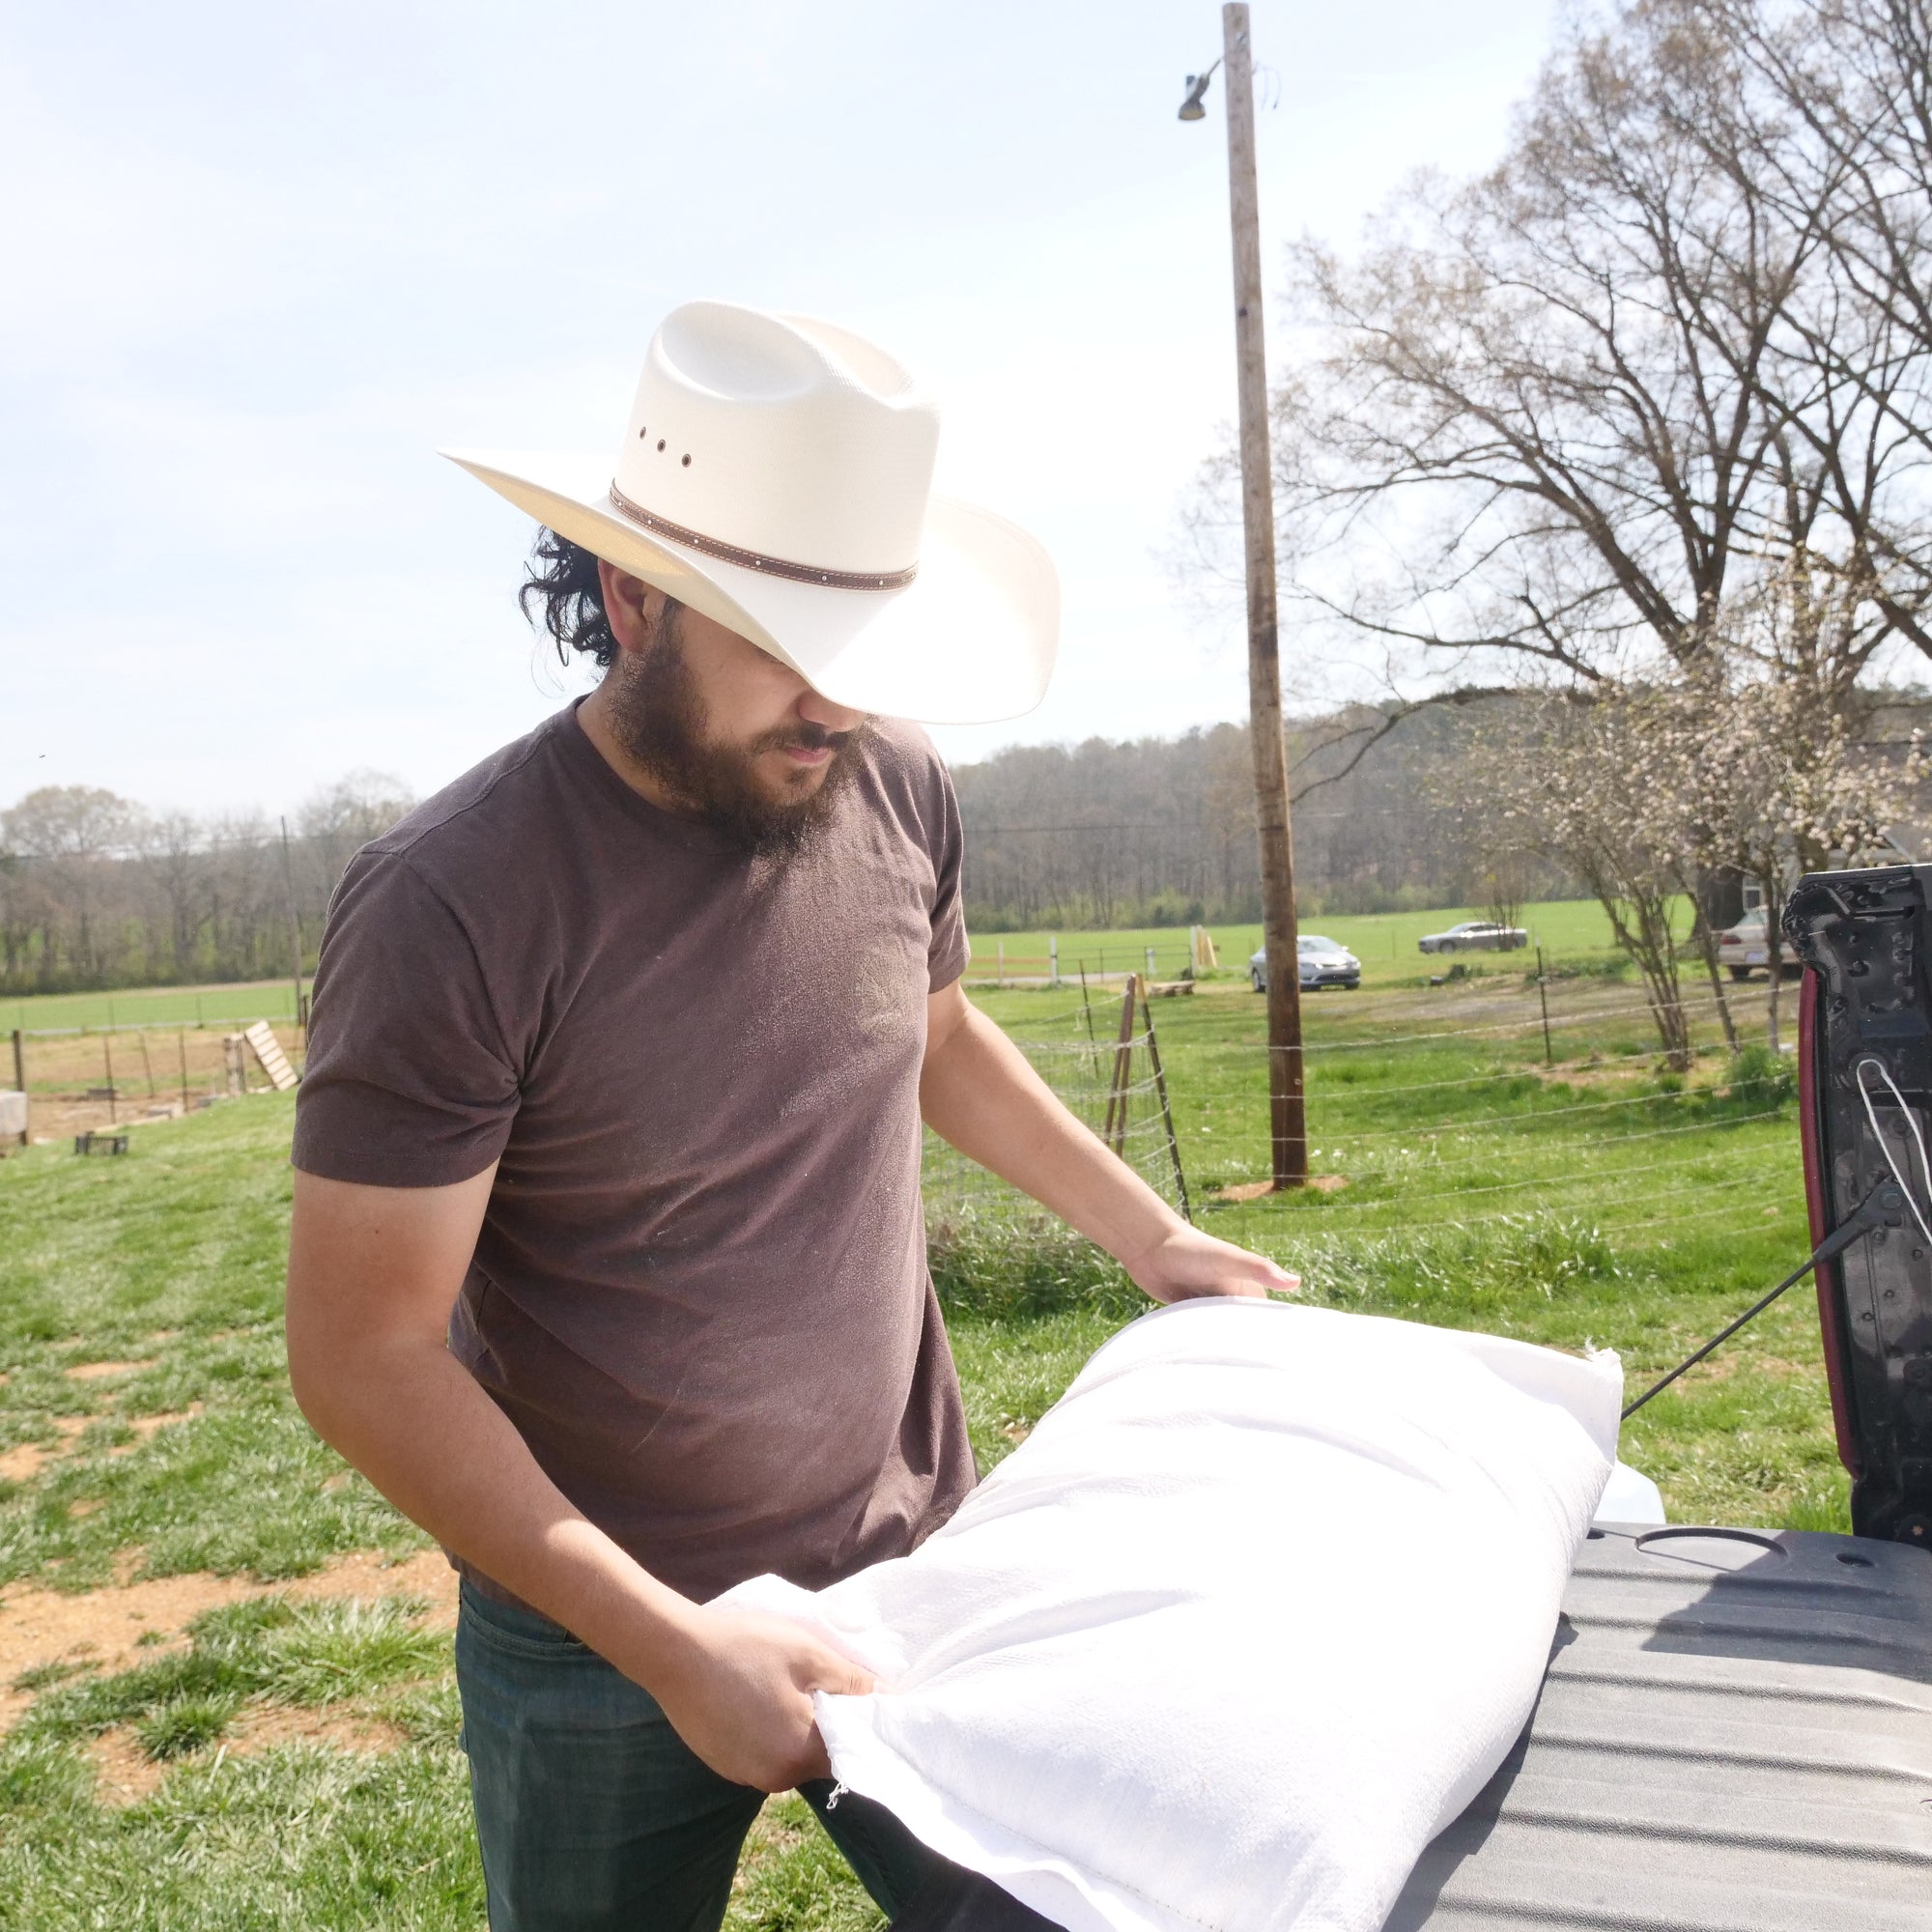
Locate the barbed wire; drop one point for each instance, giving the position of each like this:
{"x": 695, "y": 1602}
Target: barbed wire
{"x": 1535, "y": 1117}
{"x": 1489, "y": 1157}
{"x": 1555, "y": 1183}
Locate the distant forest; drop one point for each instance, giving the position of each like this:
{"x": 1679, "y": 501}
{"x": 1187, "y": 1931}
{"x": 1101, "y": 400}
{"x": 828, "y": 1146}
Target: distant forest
{"x": 96, "y": 892}
{"x": 1161, "y": 831}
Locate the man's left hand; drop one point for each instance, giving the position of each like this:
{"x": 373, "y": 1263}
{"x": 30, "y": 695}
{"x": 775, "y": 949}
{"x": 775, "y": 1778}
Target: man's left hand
{"x": 1185, "y": 1263}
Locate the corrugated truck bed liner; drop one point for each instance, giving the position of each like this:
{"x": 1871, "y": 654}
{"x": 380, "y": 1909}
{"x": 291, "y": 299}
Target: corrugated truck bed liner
{"x": 1734, "y": 1735}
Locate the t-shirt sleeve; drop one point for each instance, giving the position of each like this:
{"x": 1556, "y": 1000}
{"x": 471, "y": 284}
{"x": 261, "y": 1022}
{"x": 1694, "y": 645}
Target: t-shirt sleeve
{"x": 947, "y": 953}
{"x": 410, "y": 1081}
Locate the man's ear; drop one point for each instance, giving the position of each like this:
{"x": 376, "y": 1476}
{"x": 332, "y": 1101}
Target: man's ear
{"x": 634, "y": 607}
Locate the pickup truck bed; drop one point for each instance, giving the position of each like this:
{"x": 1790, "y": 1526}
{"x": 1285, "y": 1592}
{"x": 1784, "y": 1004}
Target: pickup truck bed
{"x": 1735, "y": 1735}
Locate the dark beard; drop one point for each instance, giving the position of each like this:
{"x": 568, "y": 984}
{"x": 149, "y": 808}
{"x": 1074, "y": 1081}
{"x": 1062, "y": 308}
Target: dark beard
{"x": 654, "y": 712}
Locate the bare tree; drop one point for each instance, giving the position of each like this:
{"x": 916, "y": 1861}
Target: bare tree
{"x": 1563, "y": 413}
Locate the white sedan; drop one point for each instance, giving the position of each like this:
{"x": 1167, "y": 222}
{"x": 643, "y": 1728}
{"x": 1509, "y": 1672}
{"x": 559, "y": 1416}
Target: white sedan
{"x": 1323, "y": 963}
{"x": 1744, "y": 948}
{"x": 1475, "y": 935}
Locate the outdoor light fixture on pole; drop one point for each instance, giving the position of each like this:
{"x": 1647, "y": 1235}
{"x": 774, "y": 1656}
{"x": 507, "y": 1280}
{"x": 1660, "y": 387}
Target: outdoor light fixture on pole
{"x": 1287, "y": 1114}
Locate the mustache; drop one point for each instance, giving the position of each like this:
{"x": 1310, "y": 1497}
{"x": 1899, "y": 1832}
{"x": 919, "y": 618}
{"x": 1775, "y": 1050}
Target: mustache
{"x": 803, "y": 737}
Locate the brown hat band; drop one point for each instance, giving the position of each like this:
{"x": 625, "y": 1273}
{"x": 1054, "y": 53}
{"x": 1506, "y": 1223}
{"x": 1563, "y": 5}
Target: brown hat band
{"x": 772, "y": 566}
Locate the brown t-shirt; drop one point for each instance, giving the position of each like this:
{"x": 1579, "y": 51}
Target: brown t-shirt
{"x": 701, "y": 1290}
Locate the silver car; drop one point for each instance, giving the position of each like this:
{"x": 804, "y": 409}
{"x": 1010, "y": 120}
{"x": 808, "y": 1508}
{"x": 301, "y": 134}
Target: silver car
{"x": 1475, "y": 935}
{"x": 1323, "y": 963}
{"x": 1744, "y": 948}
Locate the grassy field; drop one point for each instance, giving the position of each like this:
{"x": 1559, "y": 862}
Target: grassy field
{"x": 1571, "y": 933}
{"x": 155, "y": 1006}
{"x": 224, "y": 1680}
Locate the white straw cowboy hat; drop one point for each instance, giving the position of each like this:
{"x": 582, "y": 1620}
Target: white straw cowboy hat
{"x": 776, "y": 477}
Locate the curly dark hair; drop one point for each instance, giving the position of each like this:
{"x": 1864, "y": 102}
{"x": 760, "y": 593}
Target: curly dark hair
{"x": 561, "y": 576}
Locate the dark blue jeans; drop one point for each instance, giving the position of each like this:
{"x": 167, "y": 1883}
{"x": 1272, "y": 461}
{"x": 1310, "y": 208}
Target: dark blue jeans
{"x": 595, "y": 1816}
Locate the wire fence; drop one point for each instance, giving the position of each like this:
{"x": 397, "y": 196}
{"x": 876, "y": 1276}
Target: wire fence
{"x": 82, "y": 1079}
{"x": 1492, "y": 1150}
{"x": 1483, "y": 1156}
{"x": 1102, "y": 1058}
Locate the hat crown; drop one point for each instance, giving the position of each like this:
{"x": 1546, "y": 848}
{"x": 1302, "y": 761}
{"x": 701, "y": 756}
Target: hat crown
{"x": 782, "y": 436}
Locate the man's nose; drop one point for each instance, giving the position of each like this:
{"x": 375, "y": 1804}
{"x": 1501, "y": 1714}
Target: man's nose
{"x": 816, "y": 709}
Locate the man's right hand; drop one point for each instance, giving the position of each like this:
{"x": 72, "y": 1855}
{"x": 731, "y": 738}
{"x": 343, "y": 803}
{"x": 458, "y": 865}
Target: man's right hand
{"x": 737, "y": 1688}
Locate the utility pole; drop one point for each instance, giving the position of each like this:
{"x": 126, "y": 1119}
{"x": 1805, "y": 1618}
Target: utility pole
{"x": 1288, "y": 1116}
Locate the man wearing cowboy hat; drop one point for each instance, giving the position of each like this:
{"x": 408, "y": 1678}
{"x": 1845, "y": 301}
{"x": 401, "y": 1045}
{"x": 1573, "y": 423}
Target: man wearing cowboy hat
{"x": 607, "y": 1260}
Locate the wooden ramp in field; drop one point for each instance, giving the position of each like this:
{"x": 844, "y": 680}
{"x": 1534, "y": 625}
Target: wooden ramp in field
{"x": 268, "y": 1049}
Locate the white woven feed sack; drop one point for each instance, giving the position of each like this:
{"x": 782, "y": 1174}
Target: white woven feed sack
{"x": 1254, "y": 1612}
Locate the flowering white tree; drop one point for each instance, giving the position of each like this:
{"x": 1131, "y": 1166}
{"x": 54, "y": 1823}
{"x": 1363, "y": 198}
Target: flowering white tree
{"x": 1642, "y": 791}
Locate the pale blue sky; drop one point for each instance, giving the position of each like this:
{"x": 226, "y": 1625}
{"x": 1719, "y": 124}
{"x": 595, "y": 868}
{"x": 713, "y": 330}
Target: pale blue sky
{"x": 259, "y": 261}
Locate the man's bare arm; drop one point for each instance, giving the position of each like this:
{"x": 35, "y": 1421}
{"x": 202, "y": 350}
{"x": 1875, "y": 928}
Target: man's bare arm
{"x": 977, "y": 1091}
{"x": 373, "y": 1274}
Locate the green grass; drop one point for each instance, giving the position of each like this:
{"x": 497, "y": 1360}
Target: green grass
{"x": 1572, "y": 932}
{"x": 169, "y": 1260}
{"x": 1598, "y": 1201}
{"x": 154, "y": 1006}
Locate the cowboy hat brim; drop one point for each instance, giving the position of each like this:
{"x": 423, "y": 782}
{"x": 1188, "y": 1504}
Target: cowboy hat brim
{"x": 971, "y": 641}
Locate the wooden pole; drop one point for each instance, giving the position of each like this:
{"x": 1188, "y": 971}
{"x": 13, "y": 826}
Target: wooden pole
{"x": 1116, "y": 1135}
{"x": 295, "y": 925}
{"x": 1542, "y": 994}
{"x": 1287, "y": 1119}
{"x": 107, "y": 1049}
{"x": 147, "y": 1062}
{"x": 181, "y": 1040}
{"x": 1166, "y": 1112}
{"x": 20, "y": 1074}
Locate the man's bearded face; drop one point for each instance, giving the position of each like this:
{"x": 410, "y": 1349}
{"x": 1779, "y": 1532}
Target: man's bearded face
{"x": 766, "y": 792}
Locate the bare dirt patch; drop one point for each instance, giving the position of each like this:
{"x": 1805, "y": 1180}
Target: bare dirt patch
{"x": 146, "y": 1426}
{"x": 21, "y": 1464}
{"x": 94, "y": 1372}
{"x": 124, "y": 1774}
{"x": 105, "y": 1630}
{"x": 264, "y": 1726}
{"x": 1257, "y": 1190}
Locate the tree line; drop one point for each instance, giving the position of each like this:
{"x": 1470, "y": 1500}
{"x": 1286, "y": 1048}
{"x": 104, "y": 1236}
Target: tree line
{"x": 1161, "y": 831}
{"x": 97, "y": 891}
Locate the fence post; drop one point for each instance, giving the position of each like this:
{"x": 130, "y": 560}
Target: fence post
{"x": 20, "y": 1079}
{"x": 181, "y": 1041}
{"x": 1053, "y": 957}
{"x": 1116, "y": 1135}
{"x": 1000, "y": 967}
{"x": 1166, "y": 1112}
{"x": 1149, "y": 962}
{"x": 1543, "y": 996}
